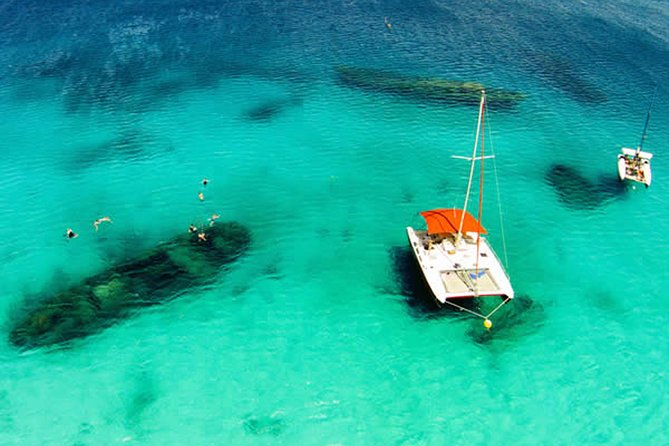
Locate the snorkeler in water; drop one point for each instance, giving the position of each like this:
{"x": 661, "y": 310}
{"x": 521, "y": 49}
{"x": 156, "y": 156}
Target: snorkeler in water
{"x": 192, "y": 229}
{"x": 213, "y": 218}
{"x": 70, "y": 234}
{"x": 200, "y": 196}
{"x": 202, "y": 237}
{"x": 100, "y": 220}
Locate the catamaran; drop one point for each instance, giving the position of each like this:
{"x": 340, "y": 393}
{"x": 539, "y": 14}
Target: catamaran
{"x": 634, "y": 164}
{"x": 456, "y": 261}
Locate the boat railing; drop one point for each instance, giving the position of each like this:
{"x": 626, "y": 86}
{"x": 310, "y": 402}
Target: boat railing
{"x": 492, "y": 250}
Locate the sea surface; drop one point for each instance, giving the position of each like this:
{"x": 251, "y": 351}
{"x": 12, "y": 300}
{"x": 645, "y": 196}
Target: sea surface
{"x": 321, "y": 333}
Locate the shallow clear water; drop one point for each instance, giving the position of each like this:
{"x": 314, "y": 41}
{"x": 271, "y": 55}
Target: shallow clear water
{"x": 320, "y": 334}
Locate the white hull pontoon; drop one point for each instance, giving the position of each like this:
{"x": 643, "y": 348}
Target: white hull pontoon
{"x": 456, "y": 261}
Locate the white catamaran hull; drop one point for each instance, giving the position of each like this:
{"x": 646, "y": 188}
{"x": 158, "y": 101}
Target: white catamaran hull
{"x": 453, "y": 273}
{"x": 648, "y": 174}
{"x": 622, "y": 168}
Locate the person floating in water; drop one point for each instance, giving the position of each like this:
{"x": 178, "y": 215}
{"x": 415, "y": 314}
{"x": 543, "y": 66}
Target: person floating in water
{"x": 70, "y": 234}
{"x": 213, "y": 218}
{"x": 192, "y": 229}
{"x": 202, "y": 237}
{"x": 200, "y": 196}
{"x": 388, "y": 24}
{"x": 100, "y": 220}
{"x": 205, "y": 181}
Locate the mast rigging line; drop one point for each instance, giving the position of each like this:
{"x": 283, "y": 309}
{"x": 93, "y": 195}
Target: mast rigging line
{"x": 645, "y": 126}
{"x": 477, "y": 314}
{"x": 499, "y": 197}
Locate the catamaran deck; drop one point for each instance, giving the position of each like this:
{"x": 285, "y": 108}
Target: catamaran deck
{"x": 453, "y": 272}
{"x": 635, "y": 166}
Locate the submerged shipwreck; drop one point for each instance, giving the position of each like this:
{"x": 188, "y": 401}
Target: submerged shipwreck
{"x": 152, "y": 278}
{"x": 426, "y": 88}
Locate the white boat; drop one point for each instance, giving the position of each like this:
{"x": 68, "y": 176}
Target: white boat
{"x": 634, "y": 164}
{"x": 456, "y": 261}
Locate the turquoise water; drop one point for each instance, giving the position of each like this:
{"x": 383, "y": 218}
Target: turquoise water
{"x": 320, "y": 333}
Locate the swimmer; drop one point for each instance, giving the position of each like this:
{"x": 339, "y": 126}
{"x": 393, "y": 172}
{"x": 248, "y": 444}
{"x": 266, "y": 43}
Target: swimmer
{"x": 192, "y": 229}
{"x": 213, "y": 218}
{"x": 388, "y": 24}
{"x": 205, "y": 181}
{"x": 100, "y": 220}
{"x": 200, "y": 196}
{"x": 71, "y": 234}
{"x": 202, "y": 237}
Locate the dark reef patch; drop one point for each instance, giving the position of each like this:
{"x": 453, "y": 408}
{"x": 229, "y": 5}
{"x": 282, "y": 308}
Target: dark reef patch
{"x": 562, "y": 74}
{"x": 7, "y": 412}
{"x": 578, "y": 192}
{"x": 129, "y": 145}
{"x": 268, "y": 425}
{"x": 134, "y": 63}
{"x": 271, "y": 109}
{"x": 56, "y": 63}
{"x": 408, "y": 196}
{"x": 139, "y": 399}
{"x": 272, "y": 271}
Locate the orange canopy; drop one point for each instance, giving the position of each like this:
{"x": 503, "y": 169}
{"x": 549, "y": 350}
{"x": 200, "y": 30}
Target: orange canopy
{"x": 447, "y": 221}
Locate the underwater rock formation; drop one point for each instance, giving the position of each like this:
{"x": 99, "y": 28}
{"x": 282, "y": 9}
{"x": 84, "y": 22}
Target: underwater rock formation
{"x": 53, "y": 64}
{"x": 268, "y": 425}
{"x": 425, "y": 88}
{"x": 270, "y": 109}
{"x": 129, "y": 145}
{"x": 579, "y": 192}
{"x": 153, "y": 278}
{"x": 563, "y": 75}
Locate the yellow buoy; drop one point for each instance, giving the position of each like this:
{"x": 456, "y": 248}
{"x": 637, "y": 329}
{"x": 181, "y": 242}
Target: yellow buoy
{"x": 487, "y": 324}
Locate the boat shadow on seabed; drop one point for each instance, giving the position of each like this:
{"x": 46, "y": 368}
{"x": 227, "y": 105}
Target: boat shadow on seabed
{"x": 521, "y": 316}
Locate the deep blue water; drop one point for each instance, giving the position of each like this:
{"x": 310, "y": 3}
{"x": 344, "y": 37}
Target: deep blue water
{"x": 321, "y": 333}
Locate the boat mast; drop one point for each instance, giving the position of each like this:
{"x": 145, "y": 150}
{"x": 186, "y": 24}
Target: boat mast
{"x": 479, "y": 216}
{"x": 645, "y": 126}
{"x": 471, "y": 169}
